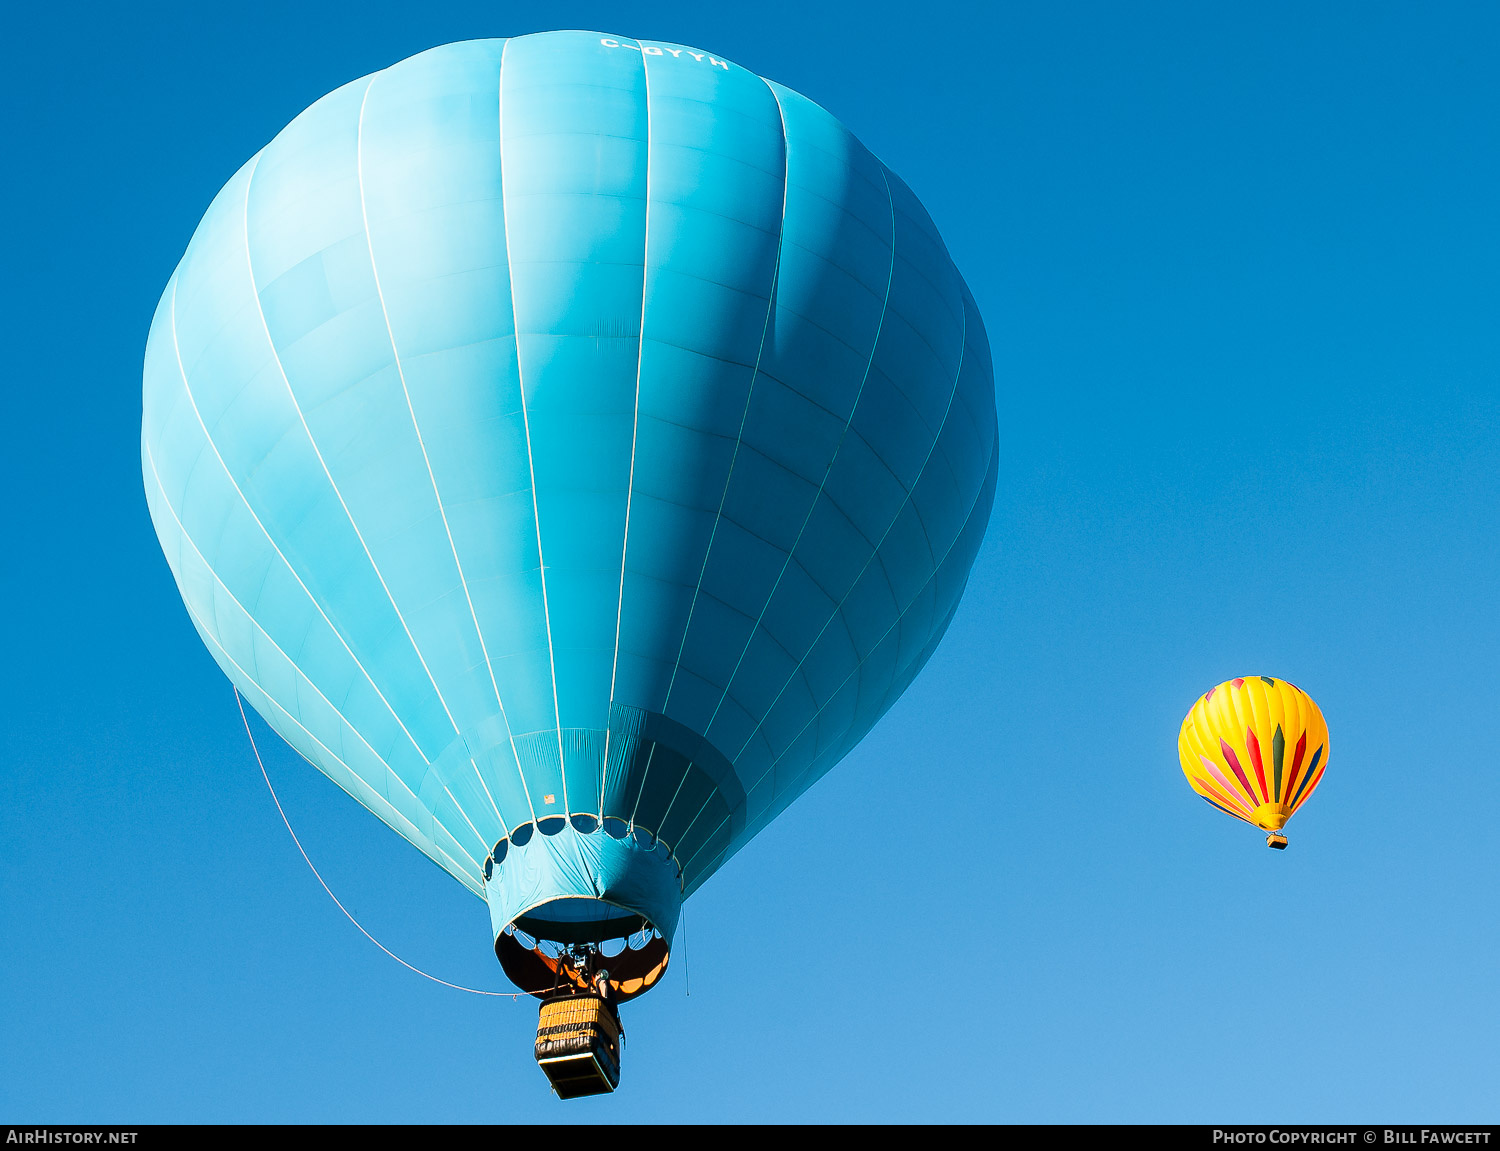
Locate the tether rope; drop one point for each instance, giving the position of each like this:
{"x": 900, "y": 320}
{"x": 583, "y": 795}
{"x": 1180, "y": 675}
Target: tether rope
{"x": 240, "y": 703}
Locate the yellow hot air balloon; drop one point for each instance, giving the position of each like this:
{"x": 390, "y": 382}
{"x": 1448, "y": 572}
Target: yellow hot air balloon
{"x": 1255, "y": 747}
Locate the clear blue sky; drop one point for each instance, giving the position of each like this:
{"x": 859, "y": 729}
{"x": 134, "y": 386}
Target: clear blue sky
{"x": 1239, "y": 266}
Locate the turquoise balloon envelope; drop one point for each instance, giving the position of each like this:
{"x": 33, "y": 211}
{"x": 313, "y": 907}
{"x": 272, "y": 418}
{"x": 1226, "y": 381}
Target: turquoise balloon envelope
{"x": 571, "y": 445}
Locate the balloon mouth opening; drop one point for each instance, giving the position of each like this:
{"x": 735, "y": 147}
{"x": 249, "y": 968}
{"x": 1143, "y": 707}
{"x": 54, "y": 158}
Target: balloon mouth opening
{"x": 1271, "y": 816}
{"x": 578, "y": 919}
{"x": 634, "y": 953}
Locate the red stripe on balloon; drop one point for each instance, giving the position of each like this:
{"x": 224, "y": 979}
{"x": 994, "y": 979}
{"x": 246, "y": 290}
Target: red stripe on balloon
{"x": 1314, "y": 777}
{"x": 1260, "y": 772}
{"x": 1296, "y": 767}
{"x": 1234, "y": 766}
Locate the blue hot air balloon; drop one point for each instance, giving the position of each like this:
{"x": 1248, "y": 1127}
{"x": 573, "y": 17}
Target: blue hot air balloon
{"x": 571, "y": 445}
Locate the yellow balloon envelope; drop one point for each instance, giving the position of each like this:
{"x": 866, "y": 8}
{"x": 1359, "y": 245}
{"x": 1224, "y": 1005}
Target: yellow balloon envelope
{"x": 1255, "y": 747}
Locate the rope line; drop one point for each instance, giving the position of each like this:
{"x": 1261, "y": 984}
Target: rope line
{"x": 240, "y": 703}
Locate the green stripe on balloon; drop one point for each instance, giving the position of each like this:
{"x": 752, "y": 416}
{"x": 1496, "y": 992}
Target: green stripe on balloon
{"x": 1278, "y": 752}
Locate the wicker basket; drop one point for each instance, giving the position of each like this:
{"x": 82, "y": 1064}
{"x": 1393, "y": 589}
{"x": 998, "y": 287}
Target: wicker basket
{"x": 578, "y": 1045}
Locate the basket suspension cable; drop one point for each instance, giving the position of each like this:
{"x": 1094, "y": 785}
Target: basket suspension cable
{"x": 240, "y": 703}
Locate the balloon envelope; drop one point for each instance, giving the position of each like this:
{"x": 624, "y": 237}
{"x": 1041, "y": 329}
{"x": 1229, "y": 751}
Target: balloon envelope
{"x": 1255, "y": 747}
{"x": 571, "y": 445}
